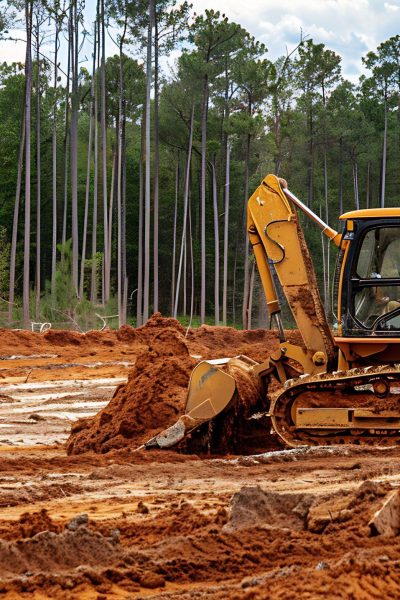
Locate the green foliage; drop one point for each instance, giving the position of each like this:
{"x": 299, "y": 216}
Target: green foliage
{"x": 134, "y": 85}
{"x": 60, "y": 305}
{"x": 4, "y": 262}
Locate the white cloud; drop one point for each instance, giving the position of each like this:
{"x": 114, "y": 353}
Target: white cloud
{"x": 12, "y": 52}
{"x": 391, "y": 7}
{"x": 349, "y": 27}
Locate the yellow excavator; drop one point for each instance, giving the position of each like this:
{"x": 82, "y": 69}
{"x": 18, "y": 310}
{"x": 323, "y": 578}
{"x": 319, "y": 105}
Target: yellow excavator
{"x": 332, "y": 389}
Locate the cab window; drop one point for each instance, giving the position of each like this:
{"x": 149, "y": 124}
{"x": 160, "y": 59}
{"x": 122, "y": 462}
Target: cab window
{"x": 378, "y": 260}
{"x": 379, "y": 255}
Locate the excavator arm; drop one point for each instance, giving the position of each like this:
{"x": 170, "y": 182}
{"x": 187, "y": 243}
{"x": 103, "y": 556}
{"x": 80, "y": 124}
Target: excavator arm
{"x": 279, "y": 245}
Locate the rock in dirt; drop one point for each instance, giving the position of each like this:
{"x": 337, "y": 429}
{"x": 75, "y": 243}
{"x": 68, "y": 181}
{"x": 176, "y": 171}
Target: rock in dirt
{"x": 329, "y": 511}
{"x": 30, "y": 524}
{"x": 142, "y": 508}
{"x": 386, "y": 520}
{"x": 78, "y": 521}
{"x": 254, "y": 507}
{"x": 36, "y": 417}
{"x": 344, "y": 507}
{"x": 7, "y": 399}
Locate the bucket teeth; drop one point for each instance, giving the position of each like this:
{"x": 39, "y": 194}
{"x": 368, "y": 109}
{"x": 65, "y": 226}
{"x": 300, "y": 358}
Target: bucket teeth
{"x": 174, "y": 434}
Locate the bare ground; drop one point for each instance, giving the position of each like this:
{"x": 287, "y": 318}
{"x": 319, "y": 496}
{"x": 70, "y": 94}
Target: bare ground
{"x": 126, "y": 524}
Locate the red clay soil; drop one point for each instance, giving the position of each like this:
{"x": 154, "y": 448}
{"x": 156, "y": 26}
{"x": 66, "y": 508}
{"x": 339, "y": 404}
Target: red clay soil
{"x": 153, "y": 398}
{"x": 161, "y": 524}
{"x": 155, "y": 394}
{"x": 255, "y": 543}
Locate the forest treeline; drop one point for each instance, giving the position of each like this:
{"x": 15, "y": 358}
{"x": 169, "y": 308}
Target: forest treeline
{"x": 124, "y": 185}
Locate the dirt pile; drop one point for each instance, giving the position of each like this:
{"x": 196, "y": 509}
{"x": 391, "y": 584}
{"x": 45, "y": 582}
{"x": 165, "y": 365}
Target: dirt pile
{"x": 69, "y": 345}
{"x": 218, "y": 342}
{"x": 153, "y": 398}
{"x": 255, "y": 507}
{"x": 155, "y": 395}
{"x": 50, "y": 552}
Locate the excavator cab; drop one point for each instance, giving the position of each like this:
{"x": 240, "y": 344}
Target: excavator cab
{"x": 368, "y": 274}
{"x": 368, "y": 288}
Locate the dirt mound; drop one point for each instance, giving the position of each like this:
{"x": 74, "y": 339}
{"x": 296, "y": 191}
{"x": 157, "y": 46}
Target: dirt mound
{"x": 155, "y": 396}
{"x": 152, "y": 399}
{"x": 62, "y": 337}
{"x": 210, "y": 341}
{"x": 51, "y": 552}
{"x": 13, "y": 340}
{"x": 28, "y": 525}
{"x": 105, "y": 337}
{"x": 254, "y": 507}
{"x": 157, "y": 321}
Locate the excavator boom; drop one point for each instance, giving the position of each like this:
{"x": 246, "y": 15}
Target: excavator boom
{"x": 278, "y": 244}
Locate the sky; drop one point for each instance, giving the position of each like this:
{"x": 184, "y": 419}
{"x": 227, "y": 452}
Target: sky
{"x": 349, "y": 27}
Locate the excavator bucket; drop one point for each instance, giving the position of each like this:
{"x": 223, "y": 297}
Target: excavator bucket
{"x": 212, "y": 389}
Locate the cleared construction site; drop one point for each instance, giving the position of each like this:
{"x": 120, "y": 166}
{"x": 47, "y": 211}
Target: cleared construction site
{"x": 84, "y": 514}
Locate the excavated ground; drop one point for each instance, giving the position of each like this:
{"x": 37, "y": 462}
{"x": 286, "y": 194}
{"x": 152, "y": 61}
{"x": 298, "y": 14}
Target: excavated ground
{"x": 118, "y": 524}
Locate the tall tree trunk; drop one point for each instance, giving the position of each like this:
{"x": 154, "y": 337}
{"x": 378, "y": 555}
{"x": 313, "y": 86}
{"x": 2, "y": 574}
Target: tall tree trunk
{"x": 146, "y": 283}
{"x": 262, "y": 310}
{"x": 139, "y": 294}
{"x": 184, "y": 282}
{"x": 310, "y": 158}
{"x": 355, "y": 184}
{"x": 367, "y": 199}
{"x": 204, "y": 112}
{"x": 74, "y": 144}
{"x": 92, "y": 118}
{"x": 93, "y": 281}
{"x": 120, "y": 282}
{"x": 234, "y": 278}
{"x": 192, "y": 290}
{"x": 87, "y": 194}
{"x": 13, "y": 252}
{"x": 121, "y": 211}
{"x": 384, "y": 152}
{"x": 111, "y": 203}
{"x": 246, "y": 285}
{"x": 28, "y": 96}
{"x": 174, "y": 237}
{"x": 38, "y": 172}
{"x": 67, "y": 136}
{"x": 156, "y": 166}
{"x": 226, "y": 232}
{"x": 216, "y": 246}
{"x": 123, "y": 219}
{"x": 185, "y": 211}
{"x": 106, "y": 267}
{"x": 341, "y": 177}
{"x": 251, "y": 294}
{"x": 54, "y": 160}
